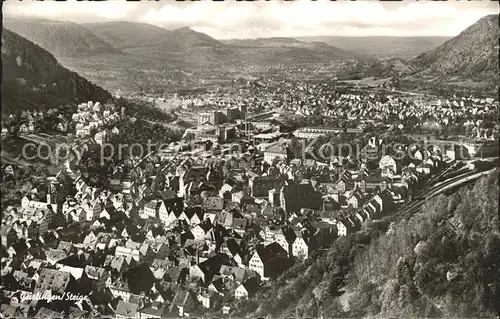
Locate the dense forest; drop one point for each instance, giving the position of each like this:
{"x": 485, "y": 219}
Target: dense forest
{"x": 441, "y": 262}
{"x": 33, "y": 78}
{"x": 145, "y": 110}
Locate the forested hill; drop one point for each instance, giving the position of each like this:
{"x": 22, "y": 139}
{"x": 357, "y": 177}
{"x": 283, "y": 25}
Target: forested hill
{"x": 33, "y": 79}
{"x": 442, "y": 262}
{"x": 474, "y": 52}
{"x": 60, "y": 38}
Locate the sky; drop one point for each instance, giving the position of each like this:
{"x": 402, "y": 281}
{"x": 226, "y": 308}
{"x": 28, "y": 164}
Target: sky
{"x": 232, "y": 20}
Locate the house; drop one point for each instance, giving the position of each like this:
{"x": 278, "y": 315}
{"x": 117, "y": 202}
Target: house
{"x": 9, "y": 170}
{"x": 231, "y": 248}
{"x": 269, "y": 261}
{"x": 116, "y": 263}
{"x": 201, "y": 231}
{"x": 25, "y": 281}
{"x": 151, "y": 208}
{"x": 303, "y": 245}
{"x": 344, "y": 226}
{"x": 177, "y": 274}
{"x": 294, "y": 196}
{"x": 160, "y": 267}
{"x": 58, "y": 282}
{"x": 387, "y": 163}
{"x": 208, "y": 298}
{"x": 277, "y": 152}
{"x": 126, "y": 310}
{"x": 66, "y": 246}
{"x": 345, "y": 182}
{"x": 53, "y": 256}
{"x": 183, "y": 303}
{"x": 97, "y": 276}
{"x": 154, "y": 310}
{"x": 239, "y": 225}
{"x": 419, "y": 154}
{"x": 261, "y": 185}
{"x": 213, "y": 204}
{"x": 457, "y": 152}
{"x": 24, "y": 128}
{"x": 217, "y": 285}
{"x": 171, "y": 217}
{"x": 362, "y": 215}
{"x": 283, "y": 235}
{"x": 355, "y": 200}
{"x": 372, "y": 183}
{"x": 47, "y": 313}
{"x": 93, "y": 210}
{"x": 246, "y": 289}
{"x": 8, "y": 235}
{"x": 120, "y": 289}
{"x": 162, "y": 211}
{"x": 128, "y": 253}
{"x": 424, "y": 169}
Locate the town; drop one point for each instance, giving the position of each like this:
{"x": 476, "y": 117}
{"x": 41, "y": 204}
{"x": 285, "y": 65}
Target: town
{"x": 198, "y": 226}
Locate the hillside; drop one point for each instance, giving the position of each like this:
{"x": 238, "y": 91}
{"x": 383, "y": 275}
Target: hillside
{"x": 124, "y": 34}
{"x": 184, "y": 47}
{"x": 186, "y": 38}
{"x": 60, "y": 38}
{"x": 473, "y": 53}
{"x": 383, "y": 47}
{"x": 394, "y": 68}
{"x": 274, "y": 49}
{"x": 187, "y": 46}
{"x": 155, "y": 59}
{"x": 33, "y": 79}
{"x": 180, "y": 48}
{"x": 441, "y": 262}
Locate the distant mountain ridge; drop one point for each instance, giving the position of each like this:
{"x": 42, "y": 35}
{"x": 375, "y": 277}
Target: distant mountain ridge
{"x": 290, "y": 49}
{"x": 33, "y": 79}
{"x": 183, "y": 46}
{"x": 383, "y": 47}
{"x": 470, "y": 57}
{"x": 60, "y": 38}
{"x": 125, "y": 34}
{"x": 132, "y": 55}
{"x": 186, "y": 38}
{"x": 474, "y": 52}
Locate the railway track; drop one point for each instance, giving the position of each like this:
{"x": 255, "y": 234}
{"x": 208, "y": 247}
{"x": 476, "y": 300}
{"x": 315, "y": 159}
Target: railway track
{"x": 440, "y": 188}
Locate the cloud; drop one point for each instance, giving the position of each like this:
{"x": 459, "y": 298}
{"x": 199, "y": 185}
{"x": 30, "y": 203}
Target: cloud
{"x": 71, "y": 10}
{"x": 231, "y": 19}
{"x": 300, "y": 18}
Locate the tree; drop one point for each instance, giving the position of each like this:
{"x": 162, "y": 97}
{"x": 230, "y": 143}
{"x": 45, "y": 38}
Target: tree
{"x": 297, "y": 148}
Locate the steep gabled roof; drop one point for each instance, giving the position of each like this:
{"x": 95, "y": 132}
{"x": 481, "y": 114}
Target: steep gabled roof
{"x": 270, "y": 251}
